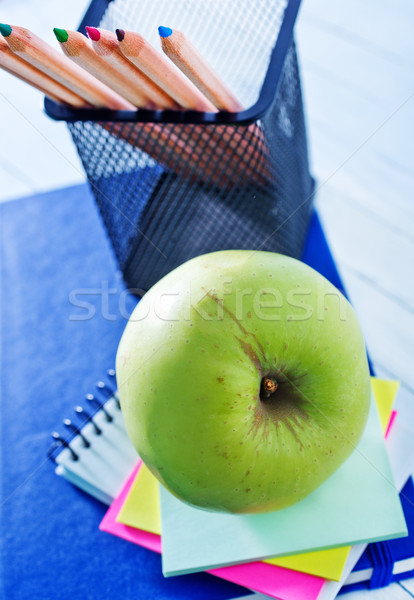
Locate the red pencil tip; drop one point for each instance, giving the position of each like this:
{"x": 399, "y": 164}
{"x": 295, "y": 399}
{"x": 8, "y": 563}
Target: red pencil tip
{"x": 93, "y": 33}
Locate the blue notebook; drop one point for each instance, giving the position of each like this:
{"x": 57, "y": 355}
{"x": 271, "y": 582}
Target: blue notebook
{"x": 56, "y": 255}
{"x": 54, "y": 244}
{"x": 387, "y": 561}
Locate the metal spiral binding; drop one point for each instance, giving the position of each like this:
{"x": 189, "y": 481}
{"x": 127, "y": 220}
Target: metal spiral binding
{"x": 105, "y": 393}
{"x": 60, "y": 442}
{"x": 99, "y": 405}
{"x": 68, "y": 423}
{"x": 108, "y": 390}
{"x": 87, "y": 418}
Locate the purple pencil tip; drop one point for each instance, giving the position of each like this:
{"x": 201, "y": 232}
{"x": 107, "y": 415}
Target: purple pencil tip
{"x": 120, "y": 34}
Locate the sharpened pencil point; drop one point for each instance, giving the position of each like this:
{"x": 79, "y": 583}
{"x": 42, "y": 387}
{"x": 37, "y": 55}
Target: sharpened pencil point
{"x": 61, "y": 35}
{"x": 165, "y": 31}
{"x": 93, "y": 33}
{"x": 120, "y": 34}
{"x": 5, "y": 30}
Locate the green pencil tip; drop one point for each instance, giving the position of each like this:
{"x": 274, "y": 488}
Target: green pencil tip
{"x": 5, "y": 30}
{"x": 61, "y": 35}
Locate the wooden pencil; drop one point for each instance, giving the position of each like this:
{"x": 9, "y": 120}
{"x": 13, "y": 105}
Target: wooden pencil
{"x": 79, "y": 49}
{"x": 154, "y": 64}
{"x": 44, "y": 57}
{"x": 239, "y": 150}
{"x": 14, "y": 65}
{"x": 106, "y": 45}
{"x": 187, "y": 58}
{"x": 161, "y": 142}
{"x": 175, "y": 147}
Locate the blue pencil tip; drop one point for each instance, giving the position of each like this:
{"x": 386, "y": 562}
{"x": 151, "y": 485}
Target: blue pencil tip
{"x": 165, "y": 31}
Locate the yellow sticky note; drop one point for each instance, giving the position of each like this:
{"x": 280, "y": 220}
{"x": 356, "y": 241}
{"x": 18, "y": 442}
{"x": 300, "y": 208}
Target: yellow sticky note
{"x": 324, "y": 563}
{"x": 141, "y": 508}
{"x": 330, "y": 563}
{"x": 385, "y": 392}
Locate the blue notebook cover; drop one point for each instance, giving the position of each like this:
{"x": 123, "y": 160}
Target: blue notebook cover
{"x": 388, "y": 561}
{"x": 55, "y": 252}
{"x": 56, "y": 256}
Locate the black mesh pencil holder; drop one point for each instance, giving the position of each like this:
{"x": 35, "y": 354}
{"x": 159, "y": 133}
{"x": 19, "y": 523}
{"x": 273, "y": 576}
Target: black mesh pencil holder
{"x": 171, "y": 185}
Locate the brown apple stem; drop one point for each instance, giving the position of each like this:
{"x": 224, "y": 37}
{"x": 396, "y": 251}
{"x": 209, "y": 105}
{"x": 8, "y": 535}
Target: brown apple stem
{"x": 269, "y": 386}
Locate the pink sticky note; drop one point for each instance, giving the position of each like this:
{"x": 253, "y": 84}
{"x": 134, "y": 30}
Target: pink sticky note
{"x": 268, "y": 579}
{"x": 390, "y": 423}
{"x": 278, "y": 582}
{"x": 136, "y": 536}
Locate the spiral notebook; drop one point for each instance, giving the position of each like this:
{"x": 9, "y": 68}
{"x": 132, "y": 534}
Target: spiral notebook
{"x": 99, "y": 457}
{"x": 385, "y": 562}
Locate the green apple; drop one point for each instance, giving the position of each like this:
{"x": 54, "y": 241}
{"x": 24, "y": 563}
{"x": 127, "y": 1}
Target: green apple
{"x": 243, "y": 381}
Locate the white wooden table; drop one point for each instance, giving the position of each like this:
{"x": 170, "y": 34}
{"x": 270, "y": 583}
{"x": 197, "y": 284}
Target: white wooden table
{"x": 357, "y": 67}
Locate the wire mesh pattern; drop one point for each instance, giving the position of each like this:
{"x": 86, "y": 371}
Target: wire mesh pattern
{"x": 236, "y": 37}
{"x": 168, "y": 191}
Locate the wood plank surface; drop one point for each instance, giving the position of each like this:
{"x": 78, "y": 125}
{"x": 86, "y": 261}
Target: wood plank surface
{"x": 357, "y": 61}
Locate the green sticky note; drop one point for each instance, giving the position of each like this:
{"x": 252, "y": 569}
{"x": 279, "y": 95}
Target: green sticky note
{"x": 358, "y": 503}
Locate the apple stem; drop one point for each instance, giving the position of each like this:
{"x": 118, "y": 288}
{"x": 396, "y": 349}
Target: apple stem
{"x": 269, "y": 386}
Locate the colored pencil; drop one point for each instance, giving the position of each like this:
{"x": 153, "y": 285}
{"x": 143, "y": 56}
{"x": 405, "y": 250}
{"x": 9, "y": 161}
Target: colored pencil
{"x": 180, "y": 149}
{"x": 106, "y": 45}
{"x": 79, "y": 49}
{"x": 44, "y": 57}
{"x": 142, "y": 54}
{"x": 224, "y": 155}
{"x": 228, "y": 140}
{"x": 160, "y": 142}
{"x": 19, "y": 68}
{"x": 216, "y": 156}
{"x": 187, "y": 58}
{"x": 166, "y": 146}
{"x": 154, "y": 64}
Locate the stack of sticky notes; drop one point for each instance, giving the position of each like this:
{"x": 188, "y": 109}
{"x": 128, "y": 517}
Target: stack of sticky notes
{"x": 287, "y": 554}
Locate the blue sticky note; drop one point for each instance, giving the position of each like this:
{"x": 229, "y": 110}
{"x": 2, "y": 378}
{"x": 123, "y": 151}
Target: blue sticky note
{"x": 358, "y": 503}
